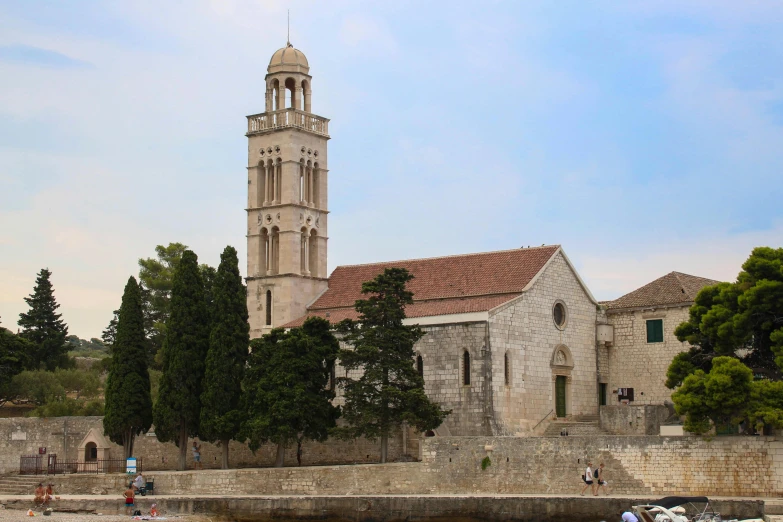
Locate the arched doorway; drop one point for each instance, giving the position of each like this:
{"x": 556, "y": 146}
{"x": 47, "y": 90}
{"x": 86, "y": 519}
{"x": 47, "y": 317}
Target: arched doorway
{"x": 562, "y": 364}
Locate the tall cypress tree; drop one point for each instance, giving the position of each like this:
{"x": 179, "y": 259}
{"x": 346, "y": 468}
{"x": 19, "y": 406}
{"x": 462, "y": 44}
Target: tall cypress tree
{"x": 229, "y": 341}
{"x": 43, "y": 326}
{"x": 178, "y": 409}
{"x": 390, "y": 390}
{"x": 128, "y": 400}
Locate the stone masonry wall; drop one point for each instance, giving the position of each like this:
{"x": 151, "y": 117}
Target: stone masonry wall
{"x": 633, "y": 420}
{"x": 724, "y": 466}
{"x": 62, "y": 435}
{"x": 525, "y": 330}
{"x": 635, "y": 363}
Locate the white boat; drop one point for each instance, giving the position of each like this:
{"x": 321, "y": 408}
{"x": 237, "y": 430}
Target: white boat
{"x": 682, "y": 509}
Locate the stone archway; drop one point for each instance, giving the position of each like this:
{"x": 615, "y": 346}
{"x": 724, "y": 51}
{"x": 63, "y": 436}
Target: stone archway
{"x": 562, "y": 364}
{"x": 93, "y": 448}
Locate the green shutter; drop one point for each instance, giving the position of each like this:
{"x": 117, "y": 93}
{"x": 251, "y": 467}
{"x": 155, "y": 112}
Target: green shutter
{"x": 655, "y": 331}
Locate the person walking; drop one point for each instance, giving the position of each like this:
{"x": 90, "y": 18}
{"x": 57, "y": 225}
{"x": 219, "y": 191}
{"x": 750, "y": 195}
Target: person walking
{"x": 196, "y": 455}
{"x": 601, "y": 480}
{"x": 588, "y": 478}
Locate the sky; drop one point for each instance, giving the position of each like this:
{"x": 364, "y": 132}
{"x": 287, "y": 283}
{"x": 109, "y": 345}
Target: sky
{"x": 643, "y": 137}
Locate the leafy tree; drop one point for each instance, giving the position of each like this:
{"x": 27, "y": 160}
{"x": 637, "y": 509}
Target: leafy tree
{"x": 82, "y": 383}
{"x": 38, "y": 386}
{"x": 390, "y": 390}
{"x": 43, "y": 326}
{"x": 286, "y": 395}
{"x": 156, "y": 276}
{"x": 69, "y": 408}
{"x": 128, "y": 402}
{"x": 685, "y": 364}
{"x": 742, "y": 319}
{"x": 14, "y": 354}
{"x": 178, "y": 408}
{"x": 229, "y": 341}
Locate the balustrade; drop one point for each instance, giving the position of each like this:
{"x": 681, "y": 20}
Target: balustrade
{"x": 267, "y": 121}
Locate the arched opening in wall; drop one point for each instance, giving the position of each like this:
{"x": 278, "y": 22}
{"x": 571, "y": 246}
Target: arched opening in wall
{"x": 290, "y": 95}
{"x": 429, "y": 433}
{"x": 465, "y": 368}
{"x": 274, "y": 250}
{"x": 301, "y": 180}
{"x": 420, "y": 366}
{"x": 308, "y": 183}
{"x": 276, "y": 95}
{"x": 306, "y": 96}
{"x": 269, "y": 308}
{"x": 90, "y": 452}
{"x": 263, "y": 252}
{"x": 303, "y": 268}
{"x": 312, "y": 251}
{"x": 260, "y": 184}
{"x": 278, "y": 193}
{"x": 316, "y": 186}
{"x": 506, "y": 370}
{"x": 269, "y": 185}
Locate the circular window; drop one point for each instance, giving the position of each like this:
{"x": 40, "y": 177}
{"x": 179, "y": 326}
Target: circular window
{"x": 303, "y": 150}
{"x": 559, "y": 315}
{"x": 277, "y": 149}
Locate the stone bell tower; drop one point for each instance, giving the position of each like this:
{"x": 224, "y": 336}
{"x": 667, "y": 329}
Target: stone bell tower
{"x": 286, "y": 197}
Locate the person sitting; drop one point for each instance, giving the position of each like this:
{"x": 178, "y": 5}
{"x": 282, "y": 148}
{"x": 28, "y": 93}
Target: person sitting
{"x": 40, "y": 494}
{"x": 139, "y": 483}
{"x": 49, "y": 493}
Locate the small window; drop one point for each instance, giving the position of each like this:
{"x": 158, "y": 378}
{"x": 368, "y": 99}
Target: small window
{"x": 269, "y": 308}
{"x": 466, "y": 368}
{"x": 506, "y": 370}
{"x": 559, "y": 315}
{"x": 655, "y": 331}
{"x": 420, "y": 366}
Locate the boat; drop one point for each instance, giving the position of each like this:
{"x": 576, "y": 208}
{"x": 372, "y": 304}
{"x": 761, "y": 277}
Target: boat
{"x": 682, "y": 509}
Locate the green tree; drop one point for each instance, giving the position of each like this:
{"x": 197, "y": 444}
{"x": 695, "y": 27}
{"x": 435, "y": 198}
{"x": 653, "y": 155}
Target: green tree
{"x": 720, "y": 397}
{"x": 390, "y": 390}
{"x": 229, "y": 341}
{"x": 38, "y": 386}
{"x": 85, "y": 384}
{"x": 43, "y": 326}
{"x": 208, "y": 276}
{"x": 14, "y": 352}
{"x": 128, "y": 402}
{"x": 110, "y": 333}
{"x": 765, "y": 409}
{"x": 743, "y": 319}
{"x": 287, "y": 397}
{"x": 178, "y": 408}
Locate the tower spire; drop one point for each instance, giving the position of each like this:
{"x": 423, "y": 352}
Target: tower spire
{"x": 288, "y": 35}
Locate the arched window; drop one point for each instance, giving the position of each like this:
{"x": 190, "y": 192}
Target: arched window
{"x": 278, "y": 188}
{"x": 274, "y": 251}
{"x": 506, "y": 370}
{"x": 90, "y": 452}
{"x": 308, "y": 184}
{"x": 260, "y": 185}
{"x": 269, "y": 308}
{"x": 420, "y": 366}
{"x": 466, "y": 368}
{"x": 278, "y": 95}
{"x": 290, "y": 87}
{"x": 301, "y": 180}
{"x": 263, "y": 252}
{"x": 303, "y": 257}
{"x": 312, "y": 252}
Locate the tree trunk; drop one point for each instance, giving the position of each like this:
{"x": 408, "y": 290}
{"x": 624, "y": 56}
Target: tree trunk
{"x": 127, "y": 446}
{"x": 280, "y": 453}
{"x": 183, "y": 447}
{"x": 224, "y": 447}
{"x": 384, "y": 447}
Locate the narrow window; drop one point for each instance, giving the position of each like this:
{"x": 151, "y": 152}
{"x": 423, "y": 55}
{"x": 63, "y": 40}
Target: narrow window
{"x": 420, "y": 366}
{"x": 466, "y": 368}
{"x": 332, "y": 378}
{"x": 269, "y": 308}
{"x": 655, "y": 331}
{"x": 506, "y": 370}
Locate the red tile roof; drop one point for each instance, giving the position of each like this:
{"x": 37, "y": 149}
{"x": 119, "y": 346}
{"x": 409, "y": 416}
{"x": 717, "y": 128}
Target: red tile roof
{"x": 671, "y": 289}
{"x": 441, "y": 285}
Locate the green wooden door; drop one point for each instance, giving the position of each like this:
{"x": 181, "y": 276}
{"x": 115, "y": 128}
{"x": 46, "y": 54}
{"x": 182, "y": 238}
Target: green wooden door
{"x": 560, "y": 398}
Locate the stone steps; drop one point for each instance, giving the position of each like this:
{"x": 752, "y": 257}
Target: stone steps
{"x": 20, "y": 484}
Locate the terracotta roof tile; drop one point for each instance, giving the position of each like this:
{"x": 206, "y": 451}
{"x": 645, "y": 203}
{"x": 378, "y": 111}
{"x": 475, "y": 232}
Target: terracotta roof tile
{"x": 673, "y": 288}
{"x": 441, "y": 285}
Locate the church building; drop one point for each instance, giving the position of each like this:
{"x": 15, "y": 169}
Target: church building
{"x": 513, "y": 339}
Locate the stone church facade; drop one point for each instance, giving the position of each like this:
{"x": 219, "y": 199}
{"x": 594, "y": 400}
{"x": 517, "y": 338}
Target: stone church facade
{"x": 513, "y": 339}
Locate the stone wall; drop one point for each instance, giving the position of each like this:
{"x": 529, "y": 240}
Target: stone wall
{"x": 635, "y": 363}
{"x": 633, "y": 420}
{"x": 62, "y": 435}
{"x": 525, "y": 331}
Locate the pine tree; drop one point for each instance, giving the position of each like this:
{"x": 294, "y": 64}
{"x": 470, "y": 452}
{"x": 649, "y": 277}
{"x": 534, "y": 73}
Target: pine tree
{"x": 178, "y": 408}
{"x": 43, "y": 326}
{"x": 287, "y": 397}
{"x": 14, "y": 357}
{"x": 390, "y": 390}
{"x": 128, "y": 400}
{"x": 229, "y": 342}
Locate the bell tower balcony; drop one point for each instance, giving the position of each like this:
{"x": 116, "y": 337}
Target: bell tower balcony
{"x": 287, "y": 118}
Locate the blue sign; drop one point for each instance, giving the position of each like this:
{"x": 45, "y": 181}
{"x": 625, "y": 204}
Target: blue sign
{"x": 130, "y": 467}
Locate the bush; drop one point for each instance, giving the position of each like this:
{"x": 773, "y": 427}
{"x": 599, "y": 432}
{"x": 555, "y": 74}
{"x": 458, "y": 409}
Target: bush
{"x": 39, "y": 387}
{"x": 81, "y": 382}
{"x": 69, "y": 408}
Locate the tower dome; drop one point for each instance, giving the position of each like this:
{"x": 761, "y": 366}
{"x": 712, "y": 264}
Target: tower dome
{"x": 288, "y": 59}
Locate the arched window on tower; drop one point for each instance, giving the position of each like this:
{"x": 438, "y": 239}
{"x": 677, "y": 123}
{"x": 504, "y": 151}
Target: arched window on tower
{"x": 465, "y": 368}
{"x": 420, "y": 366}
{"x": 303, "y": 258}
{"x": 276, "y": 95}
{"x": 274, "y": 250}
{"x": 308, "y": 184}
{"x": 260, "y": 184}
{"x": 269, "y": 308}
{"x": 301, "y": 180}
{"x": 263, "y": 252}
{"x": 312, "y": 251}
{"x": 290, "y": 87}
{"x": 278, "y": 180}
{"x": 316, "y": 189}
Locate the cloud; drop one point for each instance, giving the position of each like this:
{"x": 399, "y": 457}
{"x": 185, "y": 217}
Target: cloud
{"x": 36, "y": 56}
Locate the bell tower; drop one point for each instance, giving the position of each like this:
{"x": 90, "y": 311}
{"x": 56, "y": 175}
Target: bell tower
{"x": 286, "y": 197}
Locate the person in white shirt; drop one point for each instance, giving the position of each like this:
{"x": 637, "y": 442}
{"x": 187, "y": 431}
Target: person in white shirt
{"x": 138, "y": 482}
{"x": 629, "y": 517}
{"x": 588, "y": 478}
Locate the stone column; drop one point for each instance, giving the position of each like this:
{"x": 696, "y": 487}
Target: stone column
{"x": 297, "y": 104}
{"x": 266, "y": 185}
{"x": 308, "y": 94}
{"x": 281, "y": 97}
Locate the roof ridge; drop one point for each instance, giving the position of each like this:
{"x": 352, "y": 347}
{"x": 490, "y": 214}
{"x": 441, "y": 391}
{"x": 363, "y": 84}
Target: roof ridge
{"x": 449, "y": 256}
{"x": 436, "y": 298}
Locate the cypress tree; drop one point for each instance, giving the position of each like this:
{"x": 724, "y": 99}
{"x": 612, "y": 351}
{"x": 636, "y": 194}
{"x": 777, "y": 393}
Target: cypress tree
{"x": 128, "y": 400}
{"x": 177, "y": 411}
{"x": 390, "y": 390}
{"x": 43, "y": 326}
{"x": 229, "y": 341}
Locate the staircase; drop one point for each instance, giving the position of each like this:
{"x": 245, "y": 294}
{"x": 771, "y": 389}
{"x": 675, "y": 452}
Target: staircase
{"x": 578, "y": 426}
{"x": 19, "y": 484}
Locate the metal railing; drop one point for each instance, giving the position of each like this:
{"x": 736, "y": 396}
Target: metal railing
{"x": 542, "y": 420}
{"x": 268, "y": 121}
{"x": 51, "y": 465}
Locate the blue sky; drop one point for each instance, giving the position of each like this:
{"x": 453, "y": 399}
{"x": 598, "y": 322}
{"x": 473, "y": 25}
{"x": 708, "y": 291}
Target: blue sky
{"x": 644, "y": 137}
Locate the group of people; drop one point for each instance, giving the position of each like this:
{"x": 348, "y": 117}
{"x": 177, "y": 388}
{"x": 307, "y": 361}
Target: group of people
{"x": 137, "y": 485}
{"x": 594, "y": 479}
{"x": 43, "y": 494}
